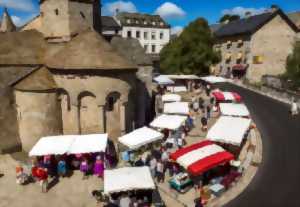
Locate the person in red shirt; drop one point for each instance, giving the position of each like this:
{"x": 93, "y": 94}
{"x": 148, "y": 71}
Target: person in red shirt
{"x": 42, "y": 174}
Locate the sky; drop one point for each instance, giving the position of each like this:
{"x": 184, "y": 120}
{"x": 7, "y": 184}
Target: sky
{"x": 178, "y": 13}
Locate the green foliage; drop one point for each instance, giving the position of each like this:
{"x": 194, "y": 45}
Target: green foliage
{"x": 293, "y": 66}
{"x": 190, "y": 53}
{"x": 229, "y": 18}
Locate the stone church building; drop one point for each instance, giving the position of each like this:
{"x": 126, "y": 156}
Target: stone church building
{"x": 58, "y": 75}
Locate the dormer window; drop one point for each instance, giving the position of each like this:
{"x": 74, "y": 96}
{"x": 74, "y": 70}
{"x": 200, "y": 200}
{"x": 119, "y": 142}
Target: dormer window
{"x": 128, "y": 21}
{"x": 161, "y": 24}
{"x": 145, "y": 23}
{"x": 154, "y": 23}
{"x": 56, "y": 11}
{"x": 136, "y": 21}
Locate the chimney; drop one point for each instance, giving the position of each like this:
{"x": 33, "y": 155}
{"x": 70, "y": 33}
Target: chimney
{"x": 97, "y": 16}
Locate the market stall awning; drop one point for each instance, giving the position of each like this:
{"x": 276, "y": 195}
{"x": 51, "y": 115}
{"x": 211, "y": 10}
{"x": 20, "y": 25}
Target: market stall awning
{"x": 176, "y": 108}
{"x": 226, "y": 96}
{"x": 230, "y": 130}
{"x": 127, "y": 179}
{"x": 89, "y": 143}
{"x": 70, "y": 144}
{"x": 171, "y": 97}
{"x": 214, "y": 79}
{"x": 140, "y": 137}
{"x": 234, "y": 109}
{"x": 171, "y": 122}
{"x": 54, "y": 145}
{"x": 163, "y": 80}
{"x": 201, "y": 157}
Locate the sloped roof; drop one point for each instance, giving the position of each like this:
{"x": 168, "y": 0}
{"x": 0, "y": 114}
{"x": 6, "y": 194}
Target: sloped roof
{"x": 215, "y": 27}
{"x": 40, "y": 79}
{"x": 88, "y": 50}
{"x": 7, "y": 25}
{"x": 139, "y": 20}
{"x": 295, "y": 17}
{"x": 249, "y": 25}
{"x": 109, "y": 23}
{"x": 131, "y": 49}
{"x": 22, "y": 48}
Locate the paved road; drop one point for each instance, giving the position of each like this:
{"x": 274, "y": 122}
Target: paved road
{"x": 277, "y": 182}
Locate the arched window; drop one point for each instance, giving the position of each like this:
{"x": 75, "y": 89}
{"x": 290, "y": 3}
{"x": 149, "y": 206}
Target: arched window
{"x": 111, "y": 100}
{"x": 56, "y": 11}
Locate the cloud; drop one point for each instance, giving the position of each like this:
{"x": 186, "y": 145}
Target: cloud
{"x": 169, "y": 10}
{"x": 176, "y": 30}
{"x": 22, "y": 5}
{"x": 122, "y": 6}
{"x": 241, "y": 11}
{"x": 17, "y": 20}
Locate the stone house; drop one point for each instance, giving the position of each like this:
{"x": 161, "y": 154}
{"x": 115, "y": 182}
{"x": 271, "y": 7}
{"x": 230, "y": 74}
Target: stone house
{"x": 255, "y": 45}
{"x": 60, "y": 76}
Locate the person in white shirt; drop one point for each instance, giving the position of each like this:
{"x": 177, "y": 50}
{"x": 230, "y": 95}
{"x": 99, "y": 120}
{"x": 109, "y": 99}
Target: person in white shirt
{"x": 153, "y": 163}
{"x": 125, "y": 201}
{"x": 294, "y": 108}
{"x": 160, "y": 171}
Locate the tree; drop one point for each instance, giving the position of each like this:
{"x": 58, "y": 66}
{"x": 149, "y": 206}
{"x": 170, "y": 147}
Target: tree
{"x": 190, "y": 53}
{"x": 229, "y": 17}
{"x": 293, "y": 66}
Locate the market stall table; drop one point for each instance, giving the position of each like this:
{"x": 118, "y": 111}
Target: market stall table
{"x": 181, "y": 182}
{"x": 217, "y": 189}
{"x": 229, "y": 130}
{"x": 140, "y": 137}
{"x": 234, "y": 109}
{"x": 177, "y": 108}
{"x": 127, "y": 179}
{"x": 214, "y": 79}
{"x": 171, "y": 97}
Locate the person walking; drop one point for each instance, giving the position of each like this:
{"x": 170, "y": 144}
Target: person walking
{"x": 99, "y": 167}
{"x": 160, "y": 171}
{"x": 204, "y": 124}
{"x": 61, "y": 168}
{"x": 294, "y": 108}
{"x": 84, "y": 168}
{"x": 153, "y": 163}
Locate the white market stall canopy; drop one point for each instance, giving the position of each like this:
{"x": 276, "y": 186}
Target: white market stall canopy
{"x": 232, "y": 109}
{"x": 177, "y": 89}
{"x": 163, "y": 80}
{"x": 176, "y": 108}
{"x": 214, "y": 79}
{"x": 88, "y": 144}
{"x": 230, "y": 130}
{"x": 140, "y": 137}
{"x": 126, "y": 179}
{"x": 171, "y": 122}
{"x": 70, "y": 144}
{"x": 171, "y": 97}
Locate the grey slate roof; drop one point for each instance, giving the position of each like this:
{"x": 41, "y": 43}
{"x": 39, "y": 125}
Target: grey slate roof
{"x": 141, "y": 20}
{"x": 109, "y": 23}
{"x": 295, "y": 17}
{"x": 251, "y": 24}
{"x": 132, "y": 50}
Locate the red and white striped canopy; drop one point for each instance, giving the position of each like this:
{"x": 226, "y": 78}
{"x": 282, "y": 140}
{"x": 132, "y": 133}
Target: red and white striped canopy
{"x": 227, "y": 96}
{"x": 201, "y": 157}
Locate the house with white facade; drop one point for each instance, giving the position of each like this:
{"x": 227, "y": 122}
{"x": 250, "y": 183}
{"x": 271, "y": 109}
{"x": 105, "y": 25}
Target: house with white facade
{"x": 151, "y": 30}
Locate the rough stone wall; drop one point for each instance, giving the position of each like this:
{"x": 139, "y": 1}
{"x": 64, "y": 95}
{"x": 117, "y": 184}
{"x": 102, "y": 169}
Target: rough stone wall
{"x": 144, "y": 97}
{"x": 90, "y": 93}
{"x": 55, "y": 25}
{"x": 77, "y": 21}
{"x": 36, "y": 23}
{"x": 39, "y": 114}
{"x": 234, "y": 49}
{"x": 9, "y": 138}
{"x": 274, "y": 42}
